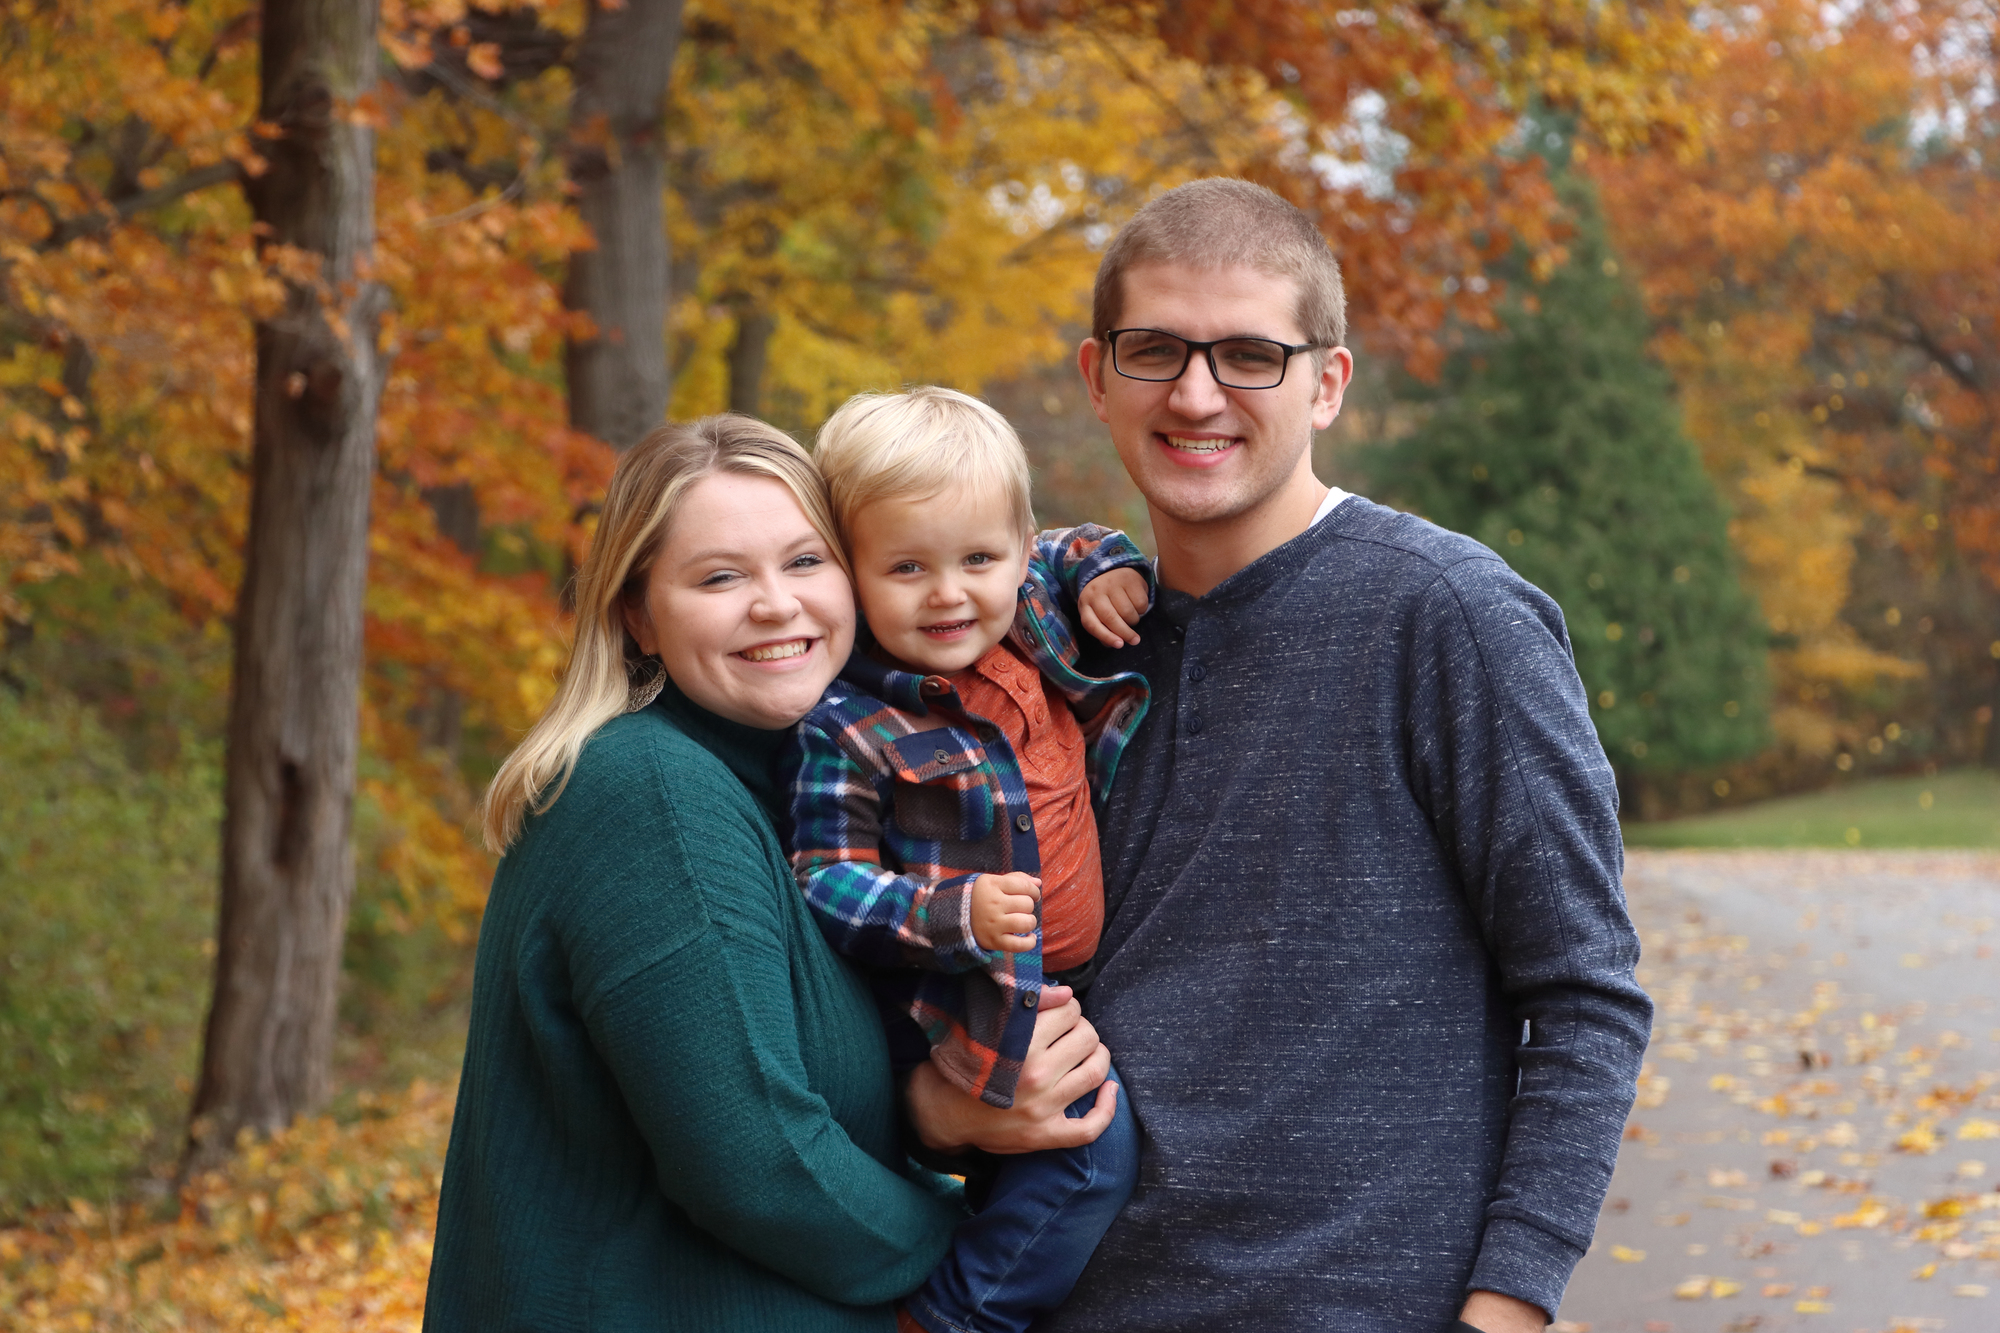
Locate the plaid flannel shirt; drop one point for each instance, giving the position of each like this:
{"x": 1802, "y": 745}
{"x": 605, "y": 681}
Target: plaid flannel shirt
{"x": 891, "y": 823}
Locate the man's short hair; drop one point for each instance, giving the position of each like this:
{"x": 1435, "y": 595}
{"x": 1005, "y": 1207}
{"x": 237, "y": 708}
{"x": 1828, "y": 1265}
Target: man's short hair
{"x": 1220, "y": 222}
{"x": 917, "y": 444}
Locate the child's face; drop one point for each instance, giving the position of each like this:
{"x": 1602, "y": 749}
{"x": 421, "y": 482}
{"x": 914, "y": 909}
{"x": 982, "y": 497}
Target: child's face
{"x": 937, "y": 577}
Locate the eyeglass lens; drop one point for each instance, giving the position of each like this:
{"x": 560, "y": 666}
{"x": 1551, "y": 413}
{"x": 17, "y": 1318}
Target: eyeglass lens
{"x": 1239, "y": 363}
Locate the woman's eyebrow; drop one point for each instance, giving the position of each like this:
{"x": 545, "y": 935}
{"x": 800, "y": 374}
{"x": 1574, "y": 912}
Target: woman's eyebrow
{"x": 731, "y": 553}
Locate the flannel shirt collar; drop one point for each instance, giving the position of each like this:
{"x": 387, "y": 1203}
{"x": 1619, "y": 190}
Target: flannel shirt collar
{"x": 905, "y": 690}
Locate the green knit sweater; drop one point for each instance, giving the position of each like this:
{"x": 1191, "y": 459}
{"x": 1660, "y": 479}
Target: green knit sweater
{"x": 676, "y": 1111}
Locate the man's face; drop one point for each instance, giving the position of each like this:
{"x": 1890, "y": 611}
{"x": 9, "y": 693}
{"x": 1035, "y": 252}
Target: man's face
{"x": 1199, "y": 452}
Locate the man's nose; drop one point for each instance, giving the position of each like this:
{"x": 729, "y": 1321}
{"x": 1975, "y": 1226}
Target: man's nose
{"x": 1196, "y": 394}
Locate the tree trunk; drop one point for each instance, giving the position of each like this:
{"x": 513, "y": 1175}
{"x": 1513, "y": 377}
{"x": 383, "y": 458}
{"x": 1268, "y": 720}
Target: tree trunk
{"x": 747, "y": 355}
{"x": 618, "y": 378}
{"x": 287, "y": 866}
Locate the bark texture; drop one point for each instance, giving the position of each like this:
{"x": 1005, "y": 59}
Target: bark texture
{"x": 287, "y": 864}
{"x": 618, "y": 381}
{"x": 748, "y": 355}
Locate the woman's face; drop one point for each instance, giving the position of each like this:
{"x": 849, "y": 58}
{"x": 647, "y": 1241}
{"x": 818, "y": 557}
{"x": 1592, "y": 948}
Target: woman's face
{"x": 745, "y": 604}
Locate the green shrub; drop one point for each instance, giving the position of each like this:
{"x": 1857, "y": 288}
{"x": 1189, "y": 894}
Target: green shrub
{"x": 107, "y": 901}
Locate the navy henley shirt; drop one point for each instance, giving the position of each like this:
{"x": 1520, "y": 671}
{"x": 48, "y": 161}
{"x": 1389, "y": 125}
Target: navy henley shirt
{"x": 1364, "y": 841}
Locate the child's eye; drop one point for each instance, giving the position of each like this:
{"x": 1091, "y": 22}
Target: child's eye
{"x": 907, "y": 567}
{"x": 979, "y": 558}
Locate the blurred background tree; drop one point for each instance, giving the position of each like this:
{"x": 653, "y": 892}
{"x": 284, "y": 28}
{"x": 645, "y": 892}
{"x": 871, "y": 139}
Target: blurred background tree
{"x": 1555, "y": 440}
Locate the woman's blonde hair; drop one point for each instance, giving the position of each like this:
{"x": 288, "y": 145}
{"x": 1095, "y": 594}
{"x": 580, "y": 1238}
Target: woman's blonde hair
{"x": 605, "y": 662}
{"x": 916, "y": 444}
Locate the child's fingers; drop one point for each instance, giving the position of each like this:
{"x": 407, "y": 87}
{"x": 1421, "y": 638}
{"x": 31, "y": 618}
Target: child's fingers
{"x": 1103, "y": 633}
{"x": 1017, "y": 944}
{"x": 1022, "y": 883}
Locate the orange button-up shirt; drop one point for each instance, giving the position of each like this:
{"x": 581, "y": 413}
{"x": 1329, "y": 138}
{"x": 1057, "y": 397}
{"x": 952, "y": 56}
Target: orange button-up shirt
{"x": 1005, "y": 688}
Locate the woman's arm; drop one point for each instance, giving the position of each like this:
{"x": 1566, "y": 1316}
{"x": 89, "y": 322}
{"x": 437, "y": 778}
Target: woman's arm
{"x": 699, "y": 980}
{"x": 1065, "y": 1061}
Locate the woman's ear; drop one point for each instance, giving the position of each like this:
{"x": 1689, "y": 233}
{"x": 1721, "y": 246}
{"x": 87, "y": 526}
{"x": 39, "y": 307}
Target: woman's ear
{"x": 639, "y": 623}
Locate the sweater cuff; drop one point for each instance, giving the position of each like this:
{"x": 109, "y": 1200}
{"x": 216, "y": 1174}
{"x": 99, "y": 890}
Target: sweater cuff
{"x": 1521, "y": 1260}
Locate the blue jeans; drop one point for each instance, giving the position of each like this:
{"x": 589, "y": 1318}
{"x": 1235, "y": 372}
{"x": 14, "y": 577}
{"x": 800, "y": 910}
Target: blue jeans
{"x": 1020, "y": 1254}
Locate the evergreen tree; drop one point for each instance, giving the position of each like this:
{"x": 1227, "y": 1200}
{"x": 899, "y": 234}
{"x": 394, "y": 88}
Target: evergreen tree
{"x": 1556, "y": 441}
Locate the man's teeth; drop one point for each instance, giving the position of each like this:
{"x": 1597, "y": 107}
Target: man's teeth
{"x": 1198, "y": 446}
{"x": 771, "y": 652}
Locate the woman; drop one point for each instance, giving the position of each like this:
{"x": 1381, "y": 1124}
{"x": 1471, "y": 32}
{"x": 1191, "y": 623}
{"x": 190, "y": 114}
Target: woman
{"x": 676, "y": 1111}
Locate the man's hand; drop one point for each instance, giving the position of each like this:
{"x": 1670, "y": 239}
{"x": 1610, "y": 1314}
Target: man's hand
{"x": 1003, "y": 911}
{"x": 1490, "y": 1312}
{"x": 1065, "y": 1060}
{"x": 1111, "y": 604}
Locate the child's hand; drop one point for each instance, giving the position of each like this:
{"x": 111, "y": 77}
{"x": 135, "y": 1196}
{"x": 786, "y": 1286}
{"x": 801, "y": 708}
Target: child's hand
{"x": 1003, "y": 911}
{"x": 1111, "y": 604}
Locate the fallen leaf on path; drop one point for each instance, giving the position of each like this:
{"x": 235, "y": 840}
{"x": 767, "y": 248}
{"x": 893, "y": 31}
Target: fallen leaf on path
{"x": 1624, "y": 1254}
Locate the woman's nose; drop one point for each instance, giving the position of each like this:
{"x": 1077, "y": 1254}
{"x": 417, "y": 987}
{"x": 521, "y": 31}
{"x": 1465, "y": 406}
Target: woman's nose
{"x": 773, "y": 602}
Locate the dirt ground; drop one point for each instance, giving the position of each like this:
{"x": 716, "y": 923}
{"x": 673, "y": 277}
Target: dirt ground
{"x": 1817, "y": 1140}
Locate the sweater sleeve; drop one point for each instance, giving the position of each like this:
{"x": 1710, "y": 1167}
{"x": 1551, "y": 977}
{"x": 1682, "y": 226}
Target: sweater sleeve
{"x": 1506, "y": 761}
{"x": 703, "y": 1041}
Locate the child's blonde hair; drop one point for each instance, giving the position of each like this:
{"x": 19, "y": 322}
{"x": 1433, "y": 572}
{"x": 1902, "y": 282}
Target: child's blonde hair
{"x": 917, "y": 444}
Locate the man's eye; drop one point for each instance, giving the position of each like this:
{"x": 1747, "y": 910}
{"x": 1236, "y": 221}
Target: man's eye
{"x": 1261, "y": 355}
{"x": 1152, "y": 351}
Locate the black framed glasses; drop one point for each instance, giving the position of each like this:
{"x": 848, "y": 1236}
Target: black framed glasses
{"x": 1236, "y": 363}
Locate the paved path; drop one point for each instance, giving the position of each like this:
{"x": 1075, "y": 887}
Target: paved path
{"x": 1817, "y": 1143}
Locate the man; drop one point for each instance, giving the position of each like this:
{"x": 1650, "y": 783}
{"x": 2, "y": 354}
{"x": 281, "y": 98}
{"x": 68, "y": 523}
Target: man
{"x": 1367, "y": 968}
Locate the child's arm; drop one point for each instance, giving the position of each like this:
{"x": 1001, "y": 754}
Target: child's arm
{"x": 1103, "y": 574}
{"x": 867, "y": 912}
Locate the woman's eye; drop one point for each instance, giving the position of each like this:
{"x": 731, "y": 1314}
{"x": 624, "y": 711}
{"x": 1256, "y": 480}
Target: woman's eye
{"x": 808, "y": 561}
{"x": 717, "y": 579}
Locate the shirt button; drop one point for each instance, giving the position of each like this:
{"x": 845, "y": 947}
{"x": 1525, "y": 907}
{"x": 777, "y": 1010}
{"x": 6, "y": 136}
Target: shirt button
{"x": 1196, "y": 671}
{"x": 1194, "y": 725}
{"x": 1028, "y": 1000}
{"x": 1023, "y": 823}
{"x": 944, "y": 756}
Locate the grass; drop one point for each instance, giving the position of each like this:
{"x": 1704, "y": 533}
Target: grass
{"x": 1955, "y": 809}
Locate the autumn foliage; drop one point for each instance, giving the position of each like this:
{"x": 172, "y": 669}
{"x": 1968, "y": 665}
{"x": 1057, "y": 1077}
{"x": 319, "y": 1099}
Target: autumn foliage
{"x": 1826, "y": 271}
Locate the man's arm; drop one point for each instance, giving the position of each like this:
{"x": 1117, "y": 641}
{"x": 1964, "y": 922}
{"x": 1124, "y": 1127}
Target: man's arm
{"x": 1507, "y": 763}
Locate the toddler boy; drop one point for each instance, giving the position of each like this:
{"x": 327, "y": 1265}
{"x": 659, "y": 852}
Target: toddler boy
{"x": 942, "y": 801}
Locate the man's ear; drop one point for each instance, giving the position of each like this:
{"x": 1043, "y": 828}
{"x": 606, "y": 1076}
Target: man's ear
{"x": 1090, "y": 360}
{"x": 1334, "y": 377}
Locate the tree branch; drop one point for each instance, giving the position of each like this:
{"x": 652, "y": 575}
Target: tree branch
{"x": 91, "y": 224}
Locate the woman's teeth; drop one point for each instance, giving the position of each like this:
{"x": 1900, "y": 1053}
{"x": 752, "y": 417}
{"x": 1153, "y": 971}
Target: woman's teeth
{"x": 772, "y": 652}
{"x": 1191, "y": 446}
